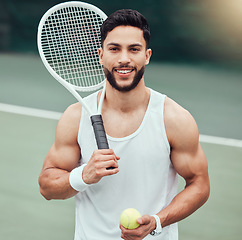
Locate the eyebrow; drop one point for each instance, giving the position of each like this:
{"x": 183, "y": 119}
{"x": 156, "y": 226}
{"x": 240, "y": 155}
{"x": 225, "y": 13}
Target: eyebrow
{"x": 118, "y": 45}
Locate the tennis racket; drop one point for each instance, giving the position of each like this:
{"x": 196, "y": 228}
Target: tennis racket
{"x": 68, "y": 42}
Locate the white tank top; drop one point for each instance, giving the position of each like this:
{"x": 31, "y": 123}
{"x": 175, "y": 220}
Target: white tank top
{"x": 146, "y": 181}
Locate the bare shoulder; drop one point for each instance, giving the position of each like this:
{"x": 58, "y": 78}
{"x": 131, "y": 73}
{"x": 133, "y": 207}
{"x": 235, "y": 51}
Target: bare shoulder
{"x": 181, "y": 127}
{"x": 73, "y": 112}
{"x": 68, "y": 124}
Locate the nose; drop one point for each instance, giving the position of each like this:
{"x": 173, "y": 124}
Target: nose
{"x": 124, "y": 58}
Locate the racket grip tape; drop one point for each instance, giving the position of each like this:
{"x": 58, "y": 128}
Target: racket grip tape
{"x": 99, "y": 131}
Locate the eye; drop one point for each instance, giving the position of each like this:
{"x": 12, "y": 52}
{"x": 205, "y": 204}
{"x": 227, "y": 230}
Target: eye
{"x": 135, "y": 49}
{"x": 113, "y": 49}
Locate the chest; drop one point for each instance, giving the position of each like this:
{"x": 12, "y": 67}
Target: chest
{"x": 119, "y": 125}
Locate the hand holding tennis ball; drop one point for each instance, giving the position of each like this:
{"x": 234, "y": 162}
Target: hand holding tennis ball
{"x": 128, "y": 218}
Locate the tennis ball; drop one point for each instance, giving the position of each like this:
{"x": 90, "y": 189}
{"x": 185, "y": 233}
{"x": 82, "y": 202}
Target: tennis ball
{"x": 128, "y": 218}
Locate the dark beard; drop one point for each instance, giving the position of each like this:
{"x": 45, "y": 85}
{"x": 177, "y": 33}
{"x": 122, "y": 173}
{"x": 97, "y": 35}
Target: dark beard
{"x": 135, "y": 82}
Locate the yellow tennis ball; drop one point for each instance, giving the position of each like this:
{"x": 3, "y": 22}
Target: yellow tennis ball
{"x": 128, "y": 218}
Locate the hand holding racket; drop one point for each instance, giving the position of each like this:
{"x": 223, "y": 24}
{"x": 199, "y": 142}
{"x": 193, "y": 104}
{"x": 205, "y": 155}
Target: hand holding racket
{"x": 68, "y": 42}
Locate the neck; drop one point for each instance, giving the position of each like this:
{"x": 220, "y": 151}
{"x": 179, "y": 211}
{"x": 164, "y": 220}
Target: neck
{"x": 127, "y": 101}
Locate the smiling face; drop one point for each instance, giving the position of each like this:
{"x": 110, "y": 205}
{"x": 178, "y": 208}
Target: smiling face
{"x": 124, "y": 56}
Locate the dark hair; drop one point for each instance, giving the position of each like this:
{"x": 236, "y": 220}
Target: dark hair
{"x": 126, "y": 17}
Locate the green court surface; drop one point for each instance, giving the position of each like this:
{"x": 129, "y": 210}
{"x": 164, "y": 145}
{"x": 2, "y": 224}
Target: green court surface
{"x": 25, "y": 214}
{"x": 212, "y": 95}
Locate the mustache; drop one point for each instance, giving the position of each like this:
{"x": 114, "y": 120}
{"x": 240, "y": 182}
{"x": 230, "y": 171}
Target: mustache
{"x": 124, "y": 66}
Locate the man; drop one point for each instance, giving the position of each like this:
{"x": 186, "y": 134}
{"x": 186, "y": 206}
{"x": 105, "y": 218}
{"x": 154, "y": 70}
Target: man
{"x": 152, "y": 139}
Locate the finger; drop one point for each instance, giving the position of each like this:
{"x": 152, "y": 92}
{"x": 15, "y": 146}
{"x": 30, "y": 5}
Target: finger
{"x": 105, "y": 151}
{"x": 101, "y": 166}
{"x": 102, "y": 157}
{"x": 111, "y": 163}
{"x": 107, "y": 164}
{"x": 111, "y": 171}
{"x": 144, "y": 220}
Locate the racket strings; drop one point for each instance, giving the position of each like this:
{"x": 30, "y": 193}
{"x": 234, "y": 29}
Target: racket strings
{"x": 70, "y": 40}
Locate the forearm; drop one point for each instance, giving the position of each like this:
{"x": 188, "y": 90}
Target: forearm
{"x": 185, "y": 203}
{"x": 54, "y": 184}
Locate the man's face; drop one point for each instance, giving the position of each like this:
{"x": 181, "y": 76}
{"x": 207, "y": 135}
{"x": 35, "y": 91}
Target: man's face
{"x": 124, "y": 56}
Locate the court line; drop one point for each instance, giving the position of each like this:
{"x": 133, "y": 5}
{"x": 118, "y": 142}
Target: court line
{"x": 33, "y": 112}
{"x": 220, "y": 141}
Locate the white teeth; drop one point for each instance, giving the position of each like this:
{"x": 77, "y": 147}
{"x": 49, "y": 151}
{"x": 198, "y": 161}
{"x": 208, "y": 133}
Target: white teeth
{"x": 124, "y": 71}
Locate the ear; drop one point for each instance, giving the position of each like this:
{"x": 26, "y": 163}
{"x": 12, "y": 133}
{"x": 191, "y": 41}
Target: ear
{"x": 148, "y": 55}
{"x": 100, "y": 54}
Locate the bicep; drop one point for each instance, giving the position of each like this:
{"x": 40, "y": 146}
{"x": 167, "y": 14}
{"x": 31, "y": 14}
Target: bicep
{"x": 65, "y": 152}
{"x": 190, "y": 164}
{"x": 187, "y": 154}
{"x": 63, "y": 157}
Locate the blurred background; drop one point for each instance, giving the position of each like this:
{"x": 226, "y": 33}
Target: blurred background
{"x": 196, "y": 60}
{"x": 185, "y": 30}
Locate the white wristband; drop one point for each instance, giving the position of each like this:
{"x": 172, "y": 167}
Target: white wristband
{"x": 158, "y": 229}
{"x": 76, "y": 180}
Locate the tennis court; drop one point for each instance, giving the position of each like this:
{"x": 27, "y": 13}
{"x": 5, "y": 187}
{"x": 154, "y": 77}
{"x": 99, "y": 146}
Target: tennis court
{"x": 25, "y": 139}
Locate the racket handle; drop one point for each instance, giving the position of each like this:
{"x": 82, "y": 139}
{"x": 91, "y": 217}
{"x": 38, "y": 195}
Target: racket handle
{"x": 99, "y": 131}
{"x": 100, "y": 135}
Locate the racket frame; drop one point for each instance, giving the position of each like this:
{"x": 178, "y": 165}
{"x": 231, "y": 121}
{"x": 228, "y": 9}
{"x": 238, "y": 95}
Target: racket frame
{"x": 70, "y": 87}
{"x": 96, "y": 118}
